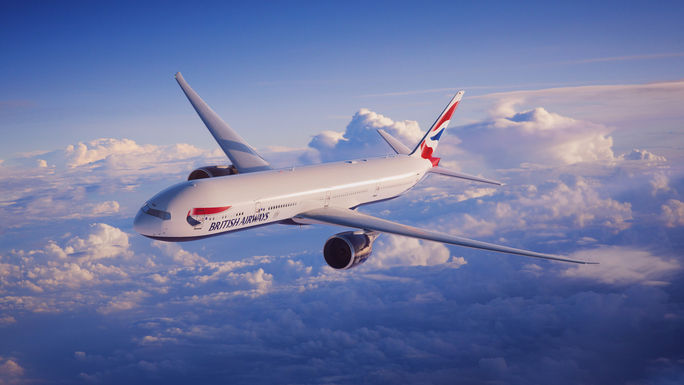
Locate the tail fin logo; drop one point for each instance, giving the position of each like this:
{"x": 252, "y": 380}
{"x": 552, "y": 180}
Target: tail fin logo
{"x": 437, "y": 135}
{"x": 428, "y": 145}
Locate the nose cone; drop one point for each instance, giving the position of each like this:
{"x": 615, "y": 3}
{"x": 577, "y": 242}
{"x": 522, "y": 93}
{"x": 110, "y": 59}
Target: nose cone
{"x": 162, "y": 216}
{"x": 146, "y": 224}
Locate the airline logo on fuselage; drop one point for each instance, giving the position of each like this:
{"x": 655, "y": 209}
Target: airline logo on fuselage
{"x": 197, "y": 215}
{"x": 239, "y": 222}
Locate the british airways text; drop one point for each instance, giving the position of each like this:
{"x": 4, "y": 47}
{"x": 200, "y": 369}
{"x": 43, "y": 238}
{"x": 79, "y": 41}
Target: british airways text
{"x": 228, "y": 223}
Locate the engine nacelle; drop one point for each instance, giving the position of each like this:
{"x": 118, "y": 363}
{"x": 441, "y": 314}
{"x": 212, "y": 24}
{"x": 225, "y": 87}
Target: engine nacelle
{"x": 212, "y": 172}
{"x": 348, "y": 249}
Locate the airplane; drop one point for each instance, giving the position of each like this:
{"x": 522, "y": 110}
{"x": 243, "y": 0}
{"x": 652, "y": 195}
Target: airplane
{"x": 249, "y": 193}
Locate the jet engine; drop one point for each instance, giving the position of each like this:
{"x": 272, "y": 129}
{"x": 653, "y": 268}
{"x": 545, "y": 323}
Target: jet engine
{"x": 348, "y": 249}
{"x": 212, "y": 172}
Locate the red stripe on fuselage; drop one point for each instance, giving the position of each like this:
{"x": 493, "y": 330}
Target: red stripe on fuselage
{"x": 209, "y": 210}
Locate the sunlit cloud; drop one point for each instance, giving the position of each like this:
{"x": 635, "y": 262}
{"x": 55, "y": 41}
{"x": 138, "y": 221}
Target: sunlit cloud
{"x": 624, "y": 266}
{"x": 673, "y": 213}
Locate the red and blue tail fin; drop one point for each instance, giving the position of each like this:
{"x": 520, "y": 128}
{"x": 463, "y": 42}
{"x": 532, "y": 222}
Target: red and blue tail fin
{"x": 428, "y": 144}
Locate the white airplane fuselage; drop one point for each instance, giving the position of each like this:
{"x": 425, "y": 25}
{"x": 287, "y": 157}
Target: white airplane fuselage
{"x": 211, "y": 206}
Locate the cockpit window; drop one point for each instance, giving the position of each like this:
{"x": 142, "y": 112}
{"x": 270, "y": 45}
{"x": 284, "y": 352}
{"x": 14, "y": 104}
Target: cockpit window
{"x": 163, "y": 215}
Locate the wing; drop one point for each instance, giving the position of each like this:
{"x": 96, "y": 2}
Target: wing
{"x": 243, "y": 156}
{"x": 350, "y": 218}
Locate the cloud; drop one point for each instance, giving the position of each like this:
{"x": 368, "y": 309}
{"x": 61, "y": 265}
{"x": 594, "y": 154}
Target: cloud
{"x": 606, "y": 103}
{"x": 82, "y": 261}
{"x": 360, "y": 138}
{"x": 104, "y": 241}
{"x": 536, "y": 136}
{"x": 124, "y": 301}
{"x": 178, "y": 254}
{"x": 624, "y": 266}
{"x": 261, "y": 280}
{"x": 92, "y": 179}
{"x": 637, "y": 154}
{"x": 104, "y": 208}
{"x": 552, "y": 205}
{"x": 9, "y": 369}
{"x": 579, "y": 201}
{"x": 393, "y": 250}
{"x": 673, "y": 213}
{"x": 121, "y": 153}
{"x": 660, "y": 182}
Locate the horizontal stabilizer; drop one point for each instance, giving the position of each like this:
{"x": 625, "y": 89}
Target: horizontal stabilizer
{"x": 447, "y": 172}
{"x": 396, "y": 145}
{"x": 351, "y": 218}
{"x": 240, "y": 153}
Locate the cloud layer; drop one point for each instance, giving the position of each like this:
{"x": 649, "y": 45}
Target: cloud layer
{"x": 102, "y": 304}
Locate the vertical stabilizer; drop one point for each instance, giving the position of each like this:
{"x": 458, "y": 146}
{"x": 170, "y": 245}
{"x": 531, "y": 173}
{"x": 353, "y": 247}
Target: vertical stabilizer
{"x": 428, "y": 144}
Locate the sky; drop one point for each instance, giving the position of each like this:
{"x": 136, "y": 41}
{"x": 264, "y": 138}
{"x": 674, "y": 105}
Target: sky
{"x": 575, "y": 106}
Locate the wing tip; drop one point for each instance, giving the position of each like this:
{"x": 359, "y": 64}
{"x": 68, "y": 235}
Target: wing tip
{"x": 580, "y": 261}
{"x": 180, "y": 80}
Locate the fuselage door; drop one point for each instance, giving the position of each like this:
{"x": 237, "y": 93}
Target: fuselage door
{"x": 327, "y": 199}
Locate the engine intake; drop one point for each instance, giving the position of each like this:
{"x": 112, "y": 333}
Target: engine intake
{"x": 348, "y": 249}
{"x": 212, "y": 172}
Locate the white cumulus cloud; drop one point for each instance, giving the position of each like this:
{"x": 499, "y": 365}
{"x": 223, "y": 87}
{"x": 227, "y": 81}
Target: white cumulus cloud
{"x": 394, "y": 250}
{"x": 673, "y": 213}
{"x": 104, "y": 241}
{"x": 178, "y": 254}
{"x": 622, "y": 265}
{"x": 537, "y": 136}
{"x": 360, "y": 138}
{"x": 123, "y": 152}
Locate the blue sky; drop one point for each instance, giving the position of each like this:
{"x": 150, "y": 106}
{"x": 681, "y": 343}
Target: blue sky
{"x": 80, "y": 71}
{"x": 575, "y": 106}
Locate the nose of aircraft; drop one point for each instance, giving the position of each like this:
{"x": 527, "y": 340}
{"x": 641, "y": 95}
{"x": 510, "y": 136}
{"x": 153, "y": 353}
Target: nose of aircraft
{"x": 146, "y": 224}
{"x": 154, "y": 218}
{"x": 151, "y": 221}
